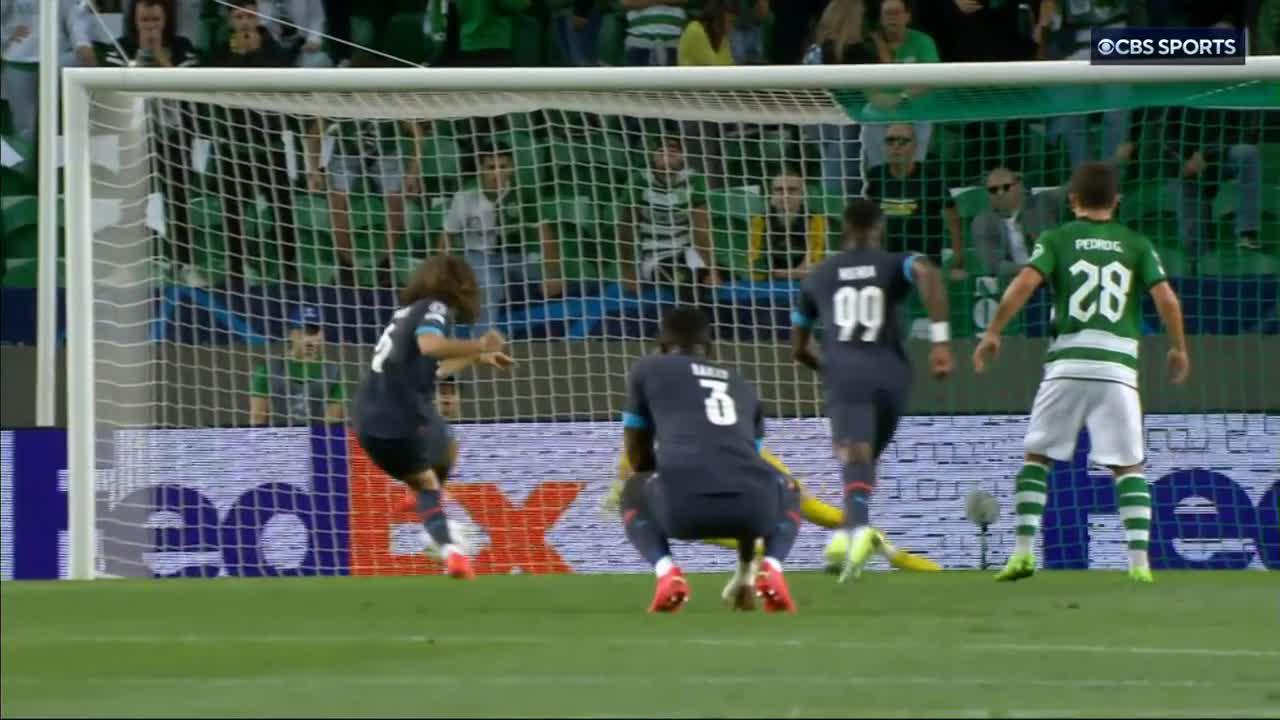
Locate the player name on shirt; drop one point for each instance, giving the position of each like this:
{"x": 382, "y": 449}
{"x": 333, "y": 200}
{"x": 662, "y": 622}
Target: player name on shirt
{"x": 857, "y": 272}
{"x": 1098, "y": 244}
{"x": 708, "y": 371}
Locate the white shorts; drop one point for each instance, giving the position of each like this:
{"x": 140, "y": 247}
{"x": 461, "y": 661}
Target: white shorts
{"x": 1111, "y": 411}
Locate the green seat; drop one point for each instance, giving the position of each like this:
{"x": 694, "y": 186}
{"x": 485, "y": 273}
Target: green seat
{"x": 204, "y": 211}
{"x": 441, "y": 158}
{"x": 363, "y": 32}
{"x": 1147, "y": 199}
{"x": 1270, "y": 163}
{"x": 970, "y": 202}
{"x": 530, "y": 157}
{"x": 1238, "y": 262}
{"x": 609, "y": 41}
{"x": 1174, "y": 261}
{"x": 735, "y": 206}
{"x": 526, "y": 43}
{"x": 403, "y": 38}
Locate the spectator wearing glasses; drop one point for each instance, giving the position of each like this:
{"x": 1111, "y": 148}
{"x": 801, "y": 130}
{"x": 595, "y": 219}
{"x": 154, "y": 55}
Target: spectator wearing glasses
{"x": 787, "y": 240}
{"x": 918, "y": 210}
{"x": 906, "y": 45}
{"x": 1005, "y": 232}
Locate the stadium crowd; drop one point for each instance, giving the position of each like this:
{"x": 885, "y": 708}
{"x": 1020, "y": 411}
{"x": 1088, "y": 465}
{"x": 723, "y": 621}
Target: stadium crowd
{"x": 671, "y": 186}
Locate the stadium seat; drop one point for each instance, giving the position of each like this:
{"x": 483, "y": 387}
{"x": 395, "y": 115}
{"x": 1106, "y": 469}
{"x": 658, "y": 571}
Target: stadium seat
{"x": 1147, "y": 199}
{"x": 441, "y": 158}
{"x": 526, "y": 44}
{"x": 734, "y": 206}
{"x": 613, "y": 29}
{"x": 363, "y": 33}
{"x": 970, "y": 201}
{"x": 1230, "y": 261}
{"x": 403, "y": 38}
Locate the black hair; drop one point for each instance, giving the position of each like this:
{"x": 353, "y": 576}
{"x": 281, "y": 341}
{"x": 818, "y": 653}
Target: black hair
{"x": 861, "y": 218}
{"x": 685, "y": 328}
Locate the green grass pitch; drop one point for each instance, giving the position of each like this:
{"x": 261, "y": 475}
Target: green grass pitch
{"x": 956, "y": 644}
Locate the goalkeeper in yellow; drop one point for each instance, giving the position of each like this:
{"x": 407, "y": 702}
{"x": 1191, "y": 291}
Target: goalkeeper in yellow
{"x": 813, "y": 510}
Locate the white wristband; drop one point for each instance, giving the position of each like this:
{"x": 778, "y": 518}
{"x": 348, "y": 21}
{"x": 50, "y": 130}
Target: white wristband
{"x": 940, "y": 332}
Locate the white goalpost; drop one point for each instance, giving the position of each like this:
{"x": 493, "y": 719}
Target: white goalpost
{"x": 215, "y": 216}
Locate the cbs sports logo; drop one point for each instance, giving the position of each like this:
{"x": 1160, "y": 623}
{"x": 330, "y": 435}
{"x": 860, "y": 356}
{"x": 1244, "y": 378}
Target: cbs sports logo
{"x": 1168, "y": 47}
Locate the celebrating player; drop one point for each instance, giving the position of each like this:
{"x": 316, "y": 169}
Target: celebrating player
{"x": 706, "y": 478}
{"x": 394, "y": 414}
{"x": 865, "y": 371}
{"x": 1098, "y": 270}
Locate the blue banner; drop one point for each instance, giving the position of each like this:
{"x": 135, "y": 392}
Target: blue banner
{"x": 304, "y": 501}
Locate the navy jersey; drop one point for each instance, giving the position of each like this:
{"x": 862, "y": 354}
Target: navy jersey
{"x": 856, "y": 296}
{"x": 706, "y": 419}
{"x": 396, "y": 397}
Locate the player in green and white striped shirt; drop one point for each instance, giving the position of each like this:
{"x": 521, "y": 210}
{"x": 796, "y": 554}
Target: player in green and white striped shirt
{"x": 1097, "y": 270}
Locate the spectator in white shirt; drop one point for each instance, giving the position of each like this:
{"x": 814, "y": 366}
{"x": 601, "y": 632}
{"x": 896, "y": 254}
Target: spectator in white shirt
{"x": 20, "y": 49}
{"x": 504, "y": 236}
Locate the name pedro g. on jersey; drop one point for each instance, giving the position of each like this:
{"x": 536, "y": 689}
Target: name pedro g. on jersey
{"x": 396, "y": 397}
{"x": 1098, "y": 272}
{"x": 707, "y": 421}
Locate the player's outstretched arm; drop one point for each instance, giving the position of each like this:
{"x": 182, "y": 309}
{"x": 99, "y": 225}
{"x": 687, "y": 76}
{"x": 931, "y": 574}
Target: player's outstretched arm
{"x": 802, "y": 348}
{"x": 928, "y": 279}
{"x": 446, "y": 348}
{"x": 1170, "y": 310}
{"x": 1015, "y": 297}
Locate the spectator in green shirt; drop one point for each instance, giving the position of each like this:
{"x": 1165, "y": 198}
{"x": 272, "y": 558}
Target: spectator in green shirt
{"x": 487, "y": 31}
{"x": 905, "y": 45}
{"x": 302, "y": 387}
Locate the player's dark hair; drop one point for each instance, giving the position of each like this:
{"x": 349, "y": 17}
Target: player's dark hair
{"x": 1094, "y": 186}
{"x": 862, "y": 219}
{"x": 685, "y": 328}
{"x": 449, "y": 279}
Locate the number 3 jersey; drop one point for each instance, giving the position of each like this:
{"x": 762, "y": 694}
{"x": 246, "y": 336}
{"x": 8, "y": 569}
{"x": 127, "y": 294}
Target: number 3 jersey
{"x": 706, "y": 420}
{"x": 1098, "y": 272}
{"x": 856, "y": 296}
{"x": 396, "y": 397}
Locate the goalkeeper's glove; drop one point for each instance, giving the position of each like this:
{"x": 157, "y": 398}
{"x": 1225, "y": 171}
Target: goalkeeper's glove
{"x": 613, "y": 501}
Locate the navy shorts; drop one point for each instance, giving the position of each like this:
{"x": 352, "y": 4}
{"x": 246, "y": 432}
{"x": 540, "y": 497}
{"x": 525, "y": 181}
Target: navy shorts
{"x": 870, "y": 417}
{"x": 685, "y": 513}
{"x": 429, "y": 449}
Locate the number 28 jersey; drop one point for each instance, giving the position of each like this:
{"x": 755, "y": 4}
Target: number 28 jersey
{"x": 856, "y": 296}
{"x": 1098, "y": 272}
{"x": 396, "y": 397}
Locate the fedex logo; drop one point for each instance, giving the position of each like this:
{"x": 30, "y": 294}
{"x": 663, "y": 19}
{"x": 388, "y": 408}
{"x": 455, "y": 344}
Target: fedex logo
{"x": 1201, "y": 518}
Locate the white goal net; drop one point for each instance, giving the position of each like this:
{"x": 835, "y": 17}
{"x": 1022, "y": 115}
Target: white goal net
{"x": 237, "y": 239}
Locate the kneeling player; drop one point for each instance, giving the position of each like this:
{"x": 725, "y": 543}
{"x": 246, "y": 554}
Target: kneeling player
{"x": 394, "y": 415}
{"x": 812, "y": 509}
{"x": 706, "y": 479}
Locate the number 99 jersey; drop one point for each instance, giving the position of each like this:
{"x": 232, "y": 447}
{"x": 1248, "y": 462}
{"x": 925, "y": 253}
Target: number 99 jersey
{"x": 856, "y": 295}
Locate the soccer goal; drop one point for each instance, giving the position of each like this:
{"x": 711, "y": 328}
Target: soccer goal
{"x": 234, "y": 238}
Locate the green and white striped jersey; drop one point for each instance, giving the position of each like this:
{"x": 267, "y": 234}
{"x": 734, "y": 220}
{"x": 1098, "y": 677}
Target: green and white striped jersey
{"x": 664, "y": 210}
{"x": 655, "y": 25}
{"x": 1098, "y": 272}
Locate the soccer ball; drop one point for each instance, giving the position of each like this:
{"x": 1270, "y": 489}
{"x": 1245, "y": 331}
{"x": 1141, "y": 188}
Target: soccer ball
{"x": 833, "y": 554}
